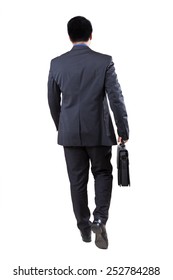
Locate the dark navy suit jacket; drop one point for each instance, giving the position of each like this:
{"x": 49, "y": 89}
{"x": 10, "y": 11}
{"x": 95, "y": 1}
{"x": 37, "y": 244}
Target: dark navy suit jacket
{"x": 79, "y": 83}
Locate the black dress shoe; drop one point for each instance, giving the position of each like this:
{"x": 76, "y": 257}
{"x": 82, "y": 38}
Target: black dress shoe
{"x": 101, "y": 239}
{"x": 86, "y": 235}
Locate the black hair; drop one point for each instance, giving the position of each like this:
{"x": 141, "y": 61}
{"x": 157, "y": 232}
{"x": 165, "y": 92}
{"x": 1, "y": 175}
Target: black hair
{"x": 79, "y": 29}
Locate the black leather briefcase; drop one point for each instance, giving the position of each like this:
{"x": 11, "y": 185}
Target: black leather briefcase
{"x": 123, "y": 165}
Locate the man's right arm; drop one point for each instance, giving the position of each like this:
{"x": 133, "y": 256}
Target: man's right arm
{"x": 116, "y": 100}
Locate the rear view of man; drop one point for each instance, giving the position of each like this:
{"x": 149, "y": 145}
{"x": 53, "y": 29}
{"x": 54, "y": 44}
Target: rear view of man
{"x": 79, "y": 83}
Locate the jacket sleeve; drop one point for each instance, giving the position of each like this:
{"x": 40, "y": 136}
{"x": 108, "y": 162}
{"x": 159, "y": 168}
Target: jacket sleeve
{"x": 54, "y": 98}
{"x": 116, "y": 100}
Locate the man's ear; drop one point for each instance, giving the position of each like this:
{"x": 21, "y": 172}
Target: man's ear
{"x": 91, "y": 36}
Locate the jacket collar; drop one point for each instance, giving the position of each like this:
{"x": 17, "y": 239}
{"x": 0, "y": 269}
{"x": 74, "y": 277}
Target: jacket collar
{"x": 80, "y": 47}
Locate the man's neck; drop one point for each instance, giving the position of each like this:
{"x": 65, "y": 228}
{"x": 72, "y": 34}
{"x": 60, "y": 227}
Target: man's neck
{"x": 82, "y": 43}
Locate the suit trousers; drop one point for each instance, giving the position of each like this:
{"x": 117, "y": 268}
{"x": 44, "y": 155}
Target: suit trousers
{"x": 78, "y": 160}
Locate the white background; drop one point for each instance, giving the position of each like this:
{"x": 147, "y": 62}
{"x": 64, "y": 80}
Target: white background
{"x": 38, "y": 227}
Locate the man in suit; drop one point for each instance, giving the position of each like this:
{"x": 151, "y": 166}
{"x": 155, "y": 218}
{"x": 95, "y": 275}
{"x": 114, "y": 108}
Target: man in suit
{"x": 79, "y": 83}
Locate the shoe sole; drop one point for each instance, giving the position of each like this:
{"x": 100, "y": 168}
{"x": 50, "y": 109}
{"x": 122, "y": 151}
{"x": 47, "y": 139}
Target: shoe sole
{"x": 100, "y": 242}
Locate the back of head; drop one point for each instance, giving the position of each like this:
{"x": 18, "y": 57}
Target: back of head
{"x": 79, "y": 29}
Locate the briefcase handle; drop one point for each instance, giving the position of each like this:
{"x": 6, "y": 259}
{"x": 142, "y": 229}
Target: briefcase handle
{"x": 122, "y": 143}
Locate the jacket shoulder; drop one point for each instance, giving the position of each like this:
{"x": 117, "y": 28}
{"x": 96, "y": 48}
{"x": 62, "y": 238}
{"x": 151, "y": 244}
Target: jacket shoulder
{"x": 55, "y": 59}
{"x": 102, "y": 56}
